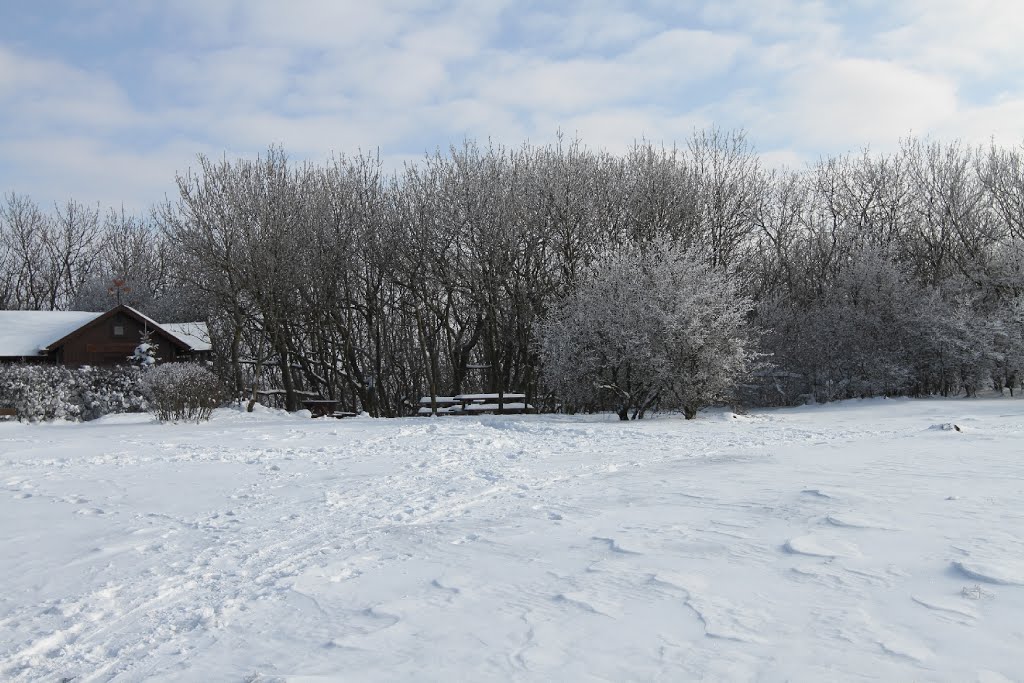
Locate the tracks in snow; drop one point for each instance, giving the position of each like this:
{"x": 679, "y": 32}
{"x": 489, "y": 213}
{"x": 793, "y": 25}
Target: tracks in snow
{"x": 551, "y": 524}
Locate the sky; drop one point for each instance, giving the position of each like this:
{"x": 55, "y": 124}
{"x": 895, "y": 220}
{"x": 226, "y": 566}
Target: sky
{"x": 105, "y": 101}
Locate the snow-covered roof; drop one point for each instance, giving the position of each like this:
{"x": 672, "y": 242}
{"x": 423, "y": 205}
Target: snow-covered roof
{"x": 196, "y": 335}
{"x": 193, "y": 335}
{"x": 26, "y": 333}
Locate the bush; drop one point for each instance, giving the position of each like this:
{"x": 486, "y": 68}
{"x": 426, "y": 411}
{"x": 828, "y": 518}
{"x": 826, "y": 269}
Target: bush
{"x": 54, "y": 392}
{"x": 181, "y": 392}
{"x": 110, "y": 390}
{"x": 648, "y": 329}
{"x": 871, "y": 330}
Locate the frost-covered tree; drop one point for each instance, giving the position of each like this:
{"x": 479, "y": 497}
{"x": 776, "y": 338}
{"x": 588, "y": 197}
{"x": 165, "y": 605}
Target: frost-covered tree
{"x": 134, "y": 252}
{"x": 872, "y": 330}
{"x": 1003, "y": 334}
{"x": 648, "y": 328}
{"x": 144, "y": 354}
{"x": 23, "y": 228}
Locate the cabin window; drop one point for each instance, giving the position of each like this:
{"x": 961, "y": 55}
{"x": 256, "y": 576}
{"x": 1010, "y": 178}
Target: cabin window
{"x": 118, "y": 327}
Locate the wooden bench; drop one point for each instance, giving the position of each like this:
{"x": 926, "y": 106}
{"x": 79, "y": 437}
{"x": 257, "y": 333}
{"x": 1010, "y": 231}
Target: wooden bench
{"x": 476, "y": 404}
{"x": 444, "y": 405}
{"x": 6, "y": 411}
{"x": 324, "y": 408}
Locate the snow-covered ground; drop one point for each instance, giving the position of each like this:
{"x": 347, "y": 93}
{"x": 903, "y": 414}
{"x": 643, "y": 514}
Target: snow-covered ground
{"x": 859, "y": 541}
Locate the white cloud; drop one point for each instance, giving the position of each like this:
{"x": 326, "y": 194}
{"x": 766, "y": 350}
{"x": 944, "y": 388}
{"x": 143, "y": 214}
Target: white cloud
{"x": 309, "y": 24}
{"x": 774, "y": 19}
{"x": 591, "y": 31}
{"x": 475, "y": 117}
{"x": 858, "y": 102}
{"x": 1001, "y": 121}
{"x": 616, "y": 130}
{"x": 977, "y": 38}
{"x": 40, "y": 92}
{"x": 655, "y": 69}
{"x": 239, "y": 75}
{"x": 311, "y": 136}
{"x": 784, "y": 159}
{"x": 59, "y": 167}
{"x": 804, "y": 77}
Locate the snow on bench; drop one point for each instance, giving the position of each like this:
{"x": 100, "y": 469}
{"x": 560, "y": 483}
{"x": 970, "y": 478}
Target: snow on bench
{"x": 467, "y": 404}
{"x": 425, "y": 410}
{"x": 441, "y": 401}
{"x": 474, "y": 398}
{"x": 492, "y": 407}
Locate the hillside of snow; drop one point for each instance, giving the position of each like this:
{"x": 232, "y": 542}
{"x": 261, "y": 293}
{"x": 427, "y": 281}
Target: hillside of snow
{"x": 868, "y": 540}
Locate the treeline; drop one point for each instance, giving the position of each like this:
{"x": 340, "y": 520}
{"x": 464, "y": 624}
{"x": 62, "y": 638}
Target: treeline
{"x": 67, "y": 258}
{"x": 870, "y": 274}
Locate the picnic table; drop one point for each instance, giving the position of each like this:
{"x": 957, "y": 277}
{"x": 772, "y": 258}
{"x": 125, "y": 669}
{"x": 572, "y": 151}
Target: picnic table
{"x": 475, "y": 404}
{"x": 325, "y": 407}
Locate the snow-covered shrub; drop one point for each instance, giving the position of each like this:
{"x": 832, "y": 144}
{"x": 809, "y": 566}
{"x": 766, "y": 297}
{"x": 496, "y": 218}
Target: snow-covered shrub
{"x": 181, "y": 392}
{"x": 111, "y": 390}
{"x": 649, "y": 328}
{"x": 42, "y": 392}
{"x": 54, "y": 392}
{"x": 144, "y": 354}
{"x": 1008, "y": 345}
{"x": 871, "y": 330}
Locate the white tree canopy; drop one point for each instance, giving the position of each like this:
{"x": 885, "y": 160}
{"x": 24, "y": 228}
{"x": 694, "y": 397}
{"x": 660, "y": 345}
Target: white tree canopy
{"x": 648, "y": 328}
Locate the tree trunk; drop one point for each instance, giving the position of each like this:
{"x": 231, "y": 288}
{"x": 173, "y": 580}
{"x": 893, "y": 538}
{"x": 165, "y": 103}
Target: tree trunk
{"x": 291, "y": 399}
{"x": 255, "y": 379}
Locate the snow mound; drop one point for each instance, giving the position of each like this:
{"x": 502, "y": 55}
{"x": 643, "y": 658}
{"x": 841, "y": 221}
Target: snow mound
{"x": 124, "y": 419}
{"x": 853, "y": 521}
{"x": 831, "y": 494}
{"x": 1005, "y": 572}
{"x": 722, "y": 618}
{"x": 947, "y": 427}
{"x": 591, "y": 604}
{"x": 900, "y": 645}
{"x": 947, "y": 605}
{"x": 725, "y": 416}
{"x": 614, "y": 546}
{"x": 259, "y": 412}
{"x": 816, "y": 546}
{"x": 727, "y": 621}
{"x": 688, "y": 583}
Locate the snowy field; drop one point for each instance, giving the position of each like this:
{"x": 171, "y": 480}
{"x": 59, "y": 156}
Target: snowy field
{"x": 860, "y": 541}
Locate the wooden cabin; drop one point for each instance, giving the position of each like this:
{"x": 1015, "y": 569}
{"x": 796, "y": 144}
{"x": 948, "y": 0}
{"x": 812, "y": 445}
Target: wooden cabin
{"x": 77, "y": 338}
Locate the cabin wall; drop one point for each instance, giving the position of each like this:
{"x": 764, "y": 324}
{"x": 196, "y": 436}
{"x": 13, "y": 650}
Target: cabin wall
{"x": 99, "y": 344}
